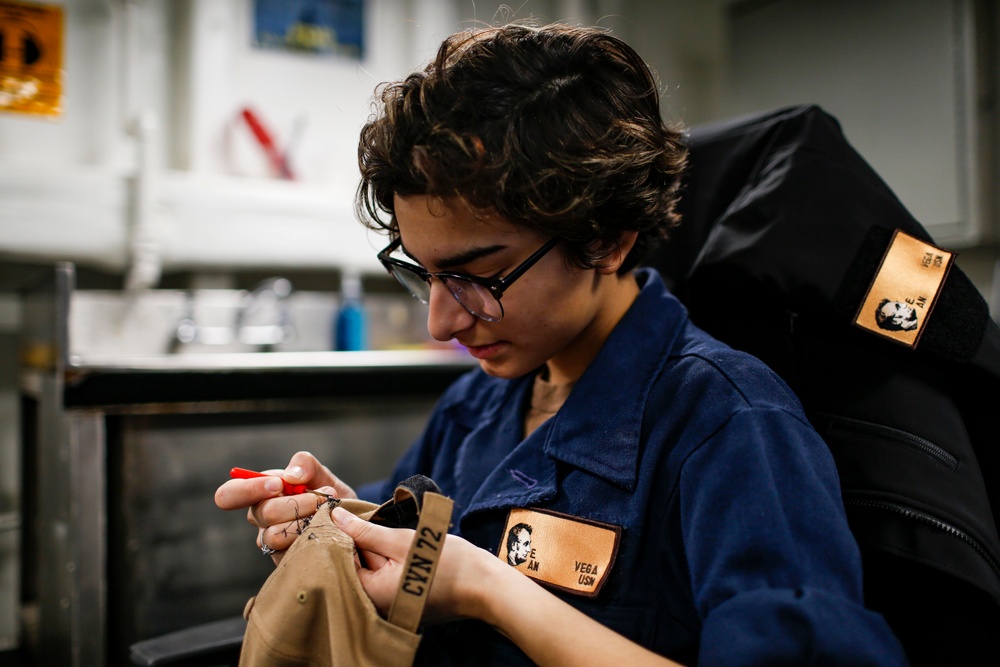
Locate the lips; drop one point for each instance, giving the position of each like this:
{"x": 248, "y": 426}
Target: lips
{"x": 485, "y": 351}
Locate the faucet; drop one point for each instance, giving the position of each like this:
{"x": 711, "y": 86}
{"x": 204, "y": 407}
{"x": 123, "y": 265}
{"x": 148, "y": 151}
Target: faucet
{"x": 271, "y": 298}
{"x": 262, "y": 319}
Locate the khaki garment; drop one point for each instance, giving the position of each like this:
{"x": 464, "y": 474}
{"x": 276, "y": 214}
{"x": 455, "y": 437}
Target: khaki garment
{"x": 312, "y": 609}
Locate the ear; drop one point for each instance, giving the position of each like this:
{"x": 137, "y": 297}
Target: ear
{"x": 618, "y": 254}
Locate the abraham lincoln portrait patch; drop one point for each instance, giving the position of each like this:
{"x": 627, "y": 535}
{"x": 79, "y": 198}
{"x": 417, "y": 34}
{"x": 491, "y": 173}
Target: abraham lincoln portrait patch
{"x": 566, "y": 552}
{"x": 902, "y": 295}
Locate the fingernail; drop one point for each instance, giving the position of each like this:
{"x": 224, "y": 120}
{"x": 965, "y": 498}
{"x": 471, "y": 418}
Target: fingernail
{"x": 295, "y": 473}
{"x": 341, "y": 516}
{"x": 273, "y": 484}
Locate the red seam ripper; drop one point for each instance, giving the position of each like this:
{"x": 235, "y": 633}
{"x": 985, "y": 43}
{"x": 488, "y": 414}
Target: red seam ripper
{"x": 289, "y": 490}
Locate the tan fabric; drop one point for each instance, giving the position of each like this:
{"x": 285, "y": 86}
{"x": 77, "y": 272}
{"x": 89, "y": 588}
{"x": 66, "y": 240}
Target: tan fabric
{"x": 546, "y": 399}
{"x": 312, "y": 609}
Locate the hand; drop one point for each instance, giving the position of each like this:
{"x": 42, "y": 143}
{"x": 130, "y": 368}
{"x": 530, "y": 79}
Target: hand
{"x": 279, "y": 518}
{"x": 462, "y": 577}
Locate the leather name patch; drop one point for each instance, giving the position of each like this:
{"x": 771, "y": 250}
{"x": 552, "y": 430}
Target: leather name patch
{"x": 902, "y": 294}
{"x": 563, "y": 551}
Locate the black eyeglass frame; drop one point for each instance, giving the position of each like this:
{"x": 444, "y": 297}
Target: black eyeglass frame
{"x": 496, "y": 285}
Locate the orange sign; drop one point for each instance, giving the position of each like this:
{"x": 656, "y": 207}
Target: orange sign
{"x": 31, "y": 58}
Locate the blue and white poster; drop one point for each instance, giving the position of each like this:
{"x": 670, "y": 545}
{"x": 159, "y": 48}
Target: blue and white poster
{"x": 326, "y": 27}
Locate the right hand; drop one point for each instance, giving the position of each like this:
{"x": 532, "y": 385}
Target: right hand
{"x": 278, "y": 518}
{"x": 465, "y": 574}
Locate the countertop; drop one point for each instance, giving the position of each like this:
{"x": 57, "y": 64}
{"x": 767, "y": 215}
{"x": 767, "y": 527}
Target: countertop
{"x": 96, "y": 381}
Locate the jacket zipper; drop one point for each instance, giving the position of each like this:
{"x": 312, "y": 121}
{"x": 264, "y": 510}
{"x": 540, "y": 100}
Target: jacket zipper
{"x": 934, "y": 522}
{"x": 895, "y": 435}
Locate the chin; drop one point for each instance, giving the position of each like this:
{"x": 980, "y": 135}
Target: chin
{"x": 503, "y": 371}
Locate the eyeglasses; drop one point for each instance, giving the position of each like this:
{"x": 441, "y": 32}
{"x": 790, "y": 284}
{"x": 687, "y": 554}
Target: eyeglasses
{"x": 479, "y": 296}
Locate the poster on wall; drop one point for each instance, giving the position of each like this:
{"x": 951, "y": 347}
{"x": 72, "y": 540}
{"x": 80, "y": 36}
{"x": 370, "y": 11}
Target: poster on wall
{"x": 322, "y": 27}
{"x": 31, "y": 58}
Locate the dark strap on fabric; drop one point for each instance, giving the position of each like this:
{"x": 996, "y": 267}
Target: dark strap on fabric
{"x": 403, "y": 510}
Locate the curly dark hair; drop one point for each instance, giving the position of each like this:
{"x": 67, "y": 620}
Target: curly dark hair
{"x": 557, "y": 128}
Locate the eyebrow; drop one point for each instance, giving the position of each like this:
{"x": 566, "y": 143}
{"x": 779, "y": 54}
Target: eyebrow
{"x": 462, "y": 258}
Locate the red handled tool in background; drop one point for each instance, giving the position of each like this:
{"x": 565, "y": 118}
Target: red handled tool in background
{"x": 263, "y": 137}
{"x": 290, "y": 489}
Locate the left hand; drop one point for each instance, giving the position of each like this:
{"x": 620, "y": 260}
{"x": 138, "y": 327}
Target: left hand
{"x": 279, "y": 518}
{"x": 460, "y": 583}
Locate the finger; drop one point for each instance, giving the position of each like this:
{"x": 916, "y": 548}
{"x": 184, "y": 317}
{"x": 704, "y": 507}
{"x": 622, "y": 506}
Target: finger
{"x": 372, "y": 560}
{"x": 239, "y": 493}
{"x": 381, "y": 543}
{"x": 275, "y": 554}
{"x": 284, "y": 509}
{"x": 281, "y": 536}
{"x": 304, "y": 468}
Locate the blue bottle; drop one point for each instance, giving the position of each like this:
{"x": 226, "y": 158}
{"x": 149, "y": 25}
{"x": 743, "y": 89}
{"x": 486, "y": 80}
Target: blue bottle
{"x": 351, "y": 331}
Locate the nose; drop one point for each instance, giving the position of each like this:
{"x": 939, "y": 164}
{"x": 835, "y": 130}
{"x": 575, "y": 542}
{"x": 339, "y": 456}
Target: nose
{"x": 445, "y": 316}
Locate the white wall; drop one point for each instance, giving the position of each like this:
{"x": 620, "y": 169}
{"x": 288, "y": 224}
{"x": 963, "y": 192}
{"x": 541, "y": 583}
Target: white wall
{"x": 207, "y": 199}
{"x": 159, "y": 83}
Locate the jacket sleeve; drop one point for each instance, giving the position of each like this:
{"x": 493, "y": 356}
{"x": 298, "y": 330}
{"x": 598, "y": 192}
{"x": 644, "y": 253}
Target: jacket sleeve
{"x": 775, "y": 571}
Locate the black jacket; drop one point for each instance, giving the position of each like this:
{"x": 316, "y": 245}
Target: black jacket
{"x": 784, "y": 226}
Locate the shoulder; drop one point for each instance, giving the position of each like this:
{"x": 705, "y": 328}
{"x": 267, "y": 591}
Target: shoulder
{"x": 678, "y": 372}
{"x": 707, "y": 392}
{"x": 707, "y": 366}
{"x": 657, "y": 336}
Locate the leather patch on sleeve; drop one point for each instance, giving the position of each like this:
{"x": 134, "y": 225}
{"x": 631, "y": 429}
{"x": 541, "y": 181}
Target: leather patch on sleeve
{"x": 906, "y": 286}
{"x": 566, "y": 552}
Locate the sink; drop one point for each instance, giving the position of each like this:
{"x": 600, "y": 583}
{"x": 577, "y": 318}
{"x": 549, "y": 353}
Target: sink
{"x": 105, "y": 326}
{"x": 111, "y": 345}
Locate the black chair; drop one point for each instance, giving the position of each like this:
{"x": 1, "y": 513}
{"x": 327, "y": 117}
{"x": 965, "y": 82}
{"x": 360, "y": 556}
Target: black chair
{"x": 784, "y": 225}
{"x": 209, "y": 645}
